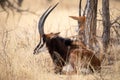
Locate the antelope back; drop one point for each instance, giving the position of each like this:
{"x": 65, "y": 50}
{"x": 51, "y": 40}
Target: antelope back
{"x": 51, "y": 35}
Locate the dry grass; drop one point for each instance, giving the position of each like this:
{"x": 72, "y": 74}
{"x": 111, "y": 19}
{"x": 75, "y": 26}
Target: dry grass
{"x": 19, "y": 36}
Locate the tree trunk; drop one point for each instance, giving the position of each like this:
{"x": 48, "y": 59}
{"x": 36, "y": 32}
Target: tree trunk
{"x": 79, "y": 14}
{"x": 106, "y": 24}
{"x": 90, "y": 26}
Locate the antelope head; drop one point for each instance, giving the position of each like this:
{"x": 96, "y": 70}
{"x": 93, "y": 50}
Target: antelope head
{"x": 80, "y": 19}
{"x": 43, "y": 36}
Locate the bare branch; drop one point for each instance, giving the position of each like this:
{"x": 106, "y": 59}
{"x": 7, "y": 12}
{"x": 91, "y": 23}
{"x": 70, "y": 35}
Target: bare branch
{"x": 80, "y": 7}
{"x": 115, "y": 21}
{"x": 85, "y": 10}
{"x": 116, "y": 31}
{"x": 6, "y": 4}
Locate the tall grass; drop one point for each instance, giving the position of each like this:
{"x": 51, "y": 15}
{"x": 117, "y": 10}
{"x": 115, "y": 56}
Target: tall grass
{"x": 19, "y": 36}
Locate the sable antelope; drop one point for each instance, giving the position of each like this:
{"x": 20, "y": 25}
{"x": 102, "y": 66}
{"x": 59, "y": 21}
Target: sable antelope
{"x": 55, "y": 44}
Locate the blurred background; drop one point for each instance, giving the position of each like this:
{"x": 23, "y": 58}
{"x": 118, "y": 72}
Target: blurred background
{"x": 19, "y": 36}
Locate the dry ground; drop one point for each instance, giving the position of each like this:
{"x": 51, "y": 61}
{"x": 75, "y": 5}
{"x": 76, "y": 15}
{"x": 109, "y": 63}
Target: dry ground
{"x": 19, "y": 36}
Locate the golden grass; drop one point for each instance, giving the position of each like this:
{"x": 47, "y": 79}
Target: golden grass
{"x": 19, "y": 36}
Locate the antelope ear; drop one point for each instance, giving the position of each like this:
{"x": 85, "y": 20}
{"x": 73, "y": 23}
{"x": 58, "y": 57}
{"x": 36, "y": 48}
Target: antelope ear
{"x": 74, "y": 17}
{"x": 57, "y": 33}
{"x": 80, "y": 18}
{"x": 54, "y": 35}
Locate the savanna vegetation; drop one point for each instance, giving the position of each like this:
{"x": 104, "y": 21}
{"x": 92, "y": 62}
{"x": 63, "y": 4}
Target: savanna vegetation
{"x": 19, "y": 36}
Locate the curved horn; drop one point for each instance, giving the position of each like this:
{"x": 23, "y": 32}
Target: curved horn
{"x": 41, "y": 28}
{"x": 43, "y": 18}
